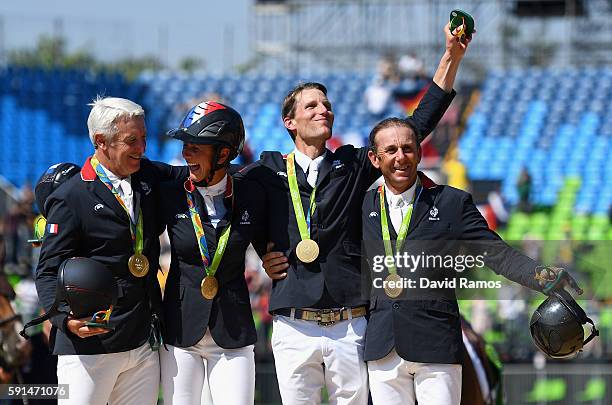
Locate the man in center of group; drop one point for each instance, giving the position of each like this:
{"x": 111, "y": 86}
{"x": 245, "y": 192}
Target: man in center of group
{"x": 314, "y": 199}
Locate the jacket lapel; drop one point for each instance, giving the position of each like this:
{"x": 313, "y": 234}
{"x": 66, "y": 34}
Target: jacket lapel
{"x": 425, "y": 200}
{"x": 209, "y": 230}
{"x": 227, "y": 218}
{"x": 325, "y": 166}
{"x": 421, "y": 208}
{"x": 95, "y": 185}
{"x": 106, "y": 195}
{"x": 137, "y": 189}
{"x": 301, "y": 178}
{"x": 392, "y": 231}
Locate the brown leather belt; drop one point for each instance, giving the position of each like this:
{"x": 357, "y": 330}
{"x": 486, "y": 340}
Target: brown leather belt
{"x": 324, "y": 317}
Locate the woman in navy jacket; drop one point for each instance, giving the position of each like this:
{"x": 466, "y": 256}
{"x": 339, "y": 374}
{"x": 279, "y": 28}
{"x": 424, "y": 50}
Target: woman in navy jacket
{"x": 211, "y": 218}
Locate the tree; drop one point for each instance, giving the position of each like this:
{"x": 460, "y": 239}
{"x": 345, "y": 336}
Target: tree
{"x": 50, "y": 52}
{"x": 190, "y": 64}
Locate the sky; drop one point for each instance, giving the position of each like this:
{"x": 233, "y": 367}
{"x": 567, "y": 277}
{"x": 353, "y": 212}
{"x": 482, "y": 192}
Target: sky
{"x": 216, "y": 31}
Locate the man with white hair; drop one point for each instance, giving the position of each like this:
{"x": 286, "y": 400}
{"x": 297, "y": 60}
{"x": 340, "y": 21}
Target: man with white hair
{"x": 108, "y": 214}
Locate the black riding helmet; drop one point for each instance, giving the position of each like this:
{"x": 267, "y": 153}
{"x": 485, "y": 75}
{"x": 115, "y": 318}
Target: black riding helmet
{"x": 212, "y": 123}
{"x": 85, "y": 288}
{"x": 556, "y": 326}
{"x": 53, "y": 177}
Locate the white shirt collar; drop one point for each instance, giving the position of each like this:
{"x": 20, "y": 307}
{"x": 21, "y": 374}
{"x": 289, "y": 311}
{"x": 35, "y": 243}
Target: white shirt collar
{"x": 115, "y": 180}
{"x": 403, "y": 199}
{"x": 304, "y": 161}
{"x": 215, "y": 189}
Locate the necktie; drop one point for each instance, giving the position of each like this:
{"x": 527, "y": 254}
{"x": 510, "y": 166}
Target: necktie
{"x": 313, "y": 171}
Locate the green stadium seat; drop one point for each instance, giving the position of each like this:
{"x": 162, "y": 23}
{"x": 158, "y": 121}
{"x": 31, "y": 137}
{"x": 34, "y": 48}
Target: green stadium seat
{"x": 595, "y": 234}
{"x": 595, "y": 390}
{"x": 580, "y": 220}
{"x": 519, "y": 219}
{"x": 547, "y": 390}
{"x": 539, "y": 219}
{"x": 555, "y": 234}
{"x": 605, "y": 319}
{"x": 600, "y": 220}
{"x": 573, "y": 183}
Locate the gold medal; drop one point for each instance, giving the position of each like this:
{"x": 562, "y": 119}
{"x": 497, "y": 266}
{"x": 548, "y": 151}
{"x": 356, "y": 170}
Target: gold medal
{"x": 395, "y": 290}
{"x": 138, "y": 265}
{"x": 209, "y": 287}
{"x": 307, "y": 251}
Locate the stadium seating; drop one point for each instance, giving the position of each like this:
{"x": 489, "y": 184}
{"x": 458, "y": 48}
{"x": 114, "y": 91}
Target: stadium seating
{"x": 557, "y": 125}
{"x": 258, "y": 97}
{"x": 43, "y": 117}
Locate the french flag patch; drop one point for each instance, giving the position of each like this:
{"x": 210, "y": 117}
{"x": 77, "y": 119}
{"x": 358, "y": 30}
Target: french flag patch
{"x": 52, "y": 229}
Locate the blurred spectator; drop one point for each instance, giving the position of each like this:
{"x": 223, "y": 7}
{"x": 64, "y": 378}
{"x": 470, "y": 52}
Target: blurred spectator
{"x": 387, "y": 70}
{"x": 394, "y": 81}
{"x": 499, "y": 207}
{"x": 17, "y": 230}
{"x": 413, "y": 76}
{"x": 524, "y": 190}
{"x": 411, "y": 67}
{"x": 38, "y": 366}
{"x": 455, "y": 171}
{"x": 41, "y": 366}
{"x": 377, "y": 96}
{"x": 260, "y": 286}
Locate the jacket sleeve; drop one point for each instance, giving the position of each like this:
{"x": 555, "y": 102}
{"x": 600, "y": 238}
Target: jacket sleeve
{"x": 165, "y": 172}
{"x": 500, "y": 257}
{"x": 432, "y": 107}
{"x": 370, "y": 173}
{"x": 153, "y": 287}
{"x": 58, "y": 245}
{"x": 160, "y": 191}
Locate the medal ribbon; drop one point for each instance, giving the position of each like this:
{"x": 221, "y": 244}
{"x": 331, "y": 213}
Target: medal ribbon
{"x": 135, "y": 228}
{"x": 302, "y": 221}
{"x": 211, "y": 269}
{"x": 403, "y": 231}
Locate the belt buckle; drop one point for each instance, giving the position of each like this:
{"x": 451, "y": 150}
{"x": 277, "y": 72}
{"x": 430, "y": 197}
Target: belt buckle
{"x": 325, "y": 317}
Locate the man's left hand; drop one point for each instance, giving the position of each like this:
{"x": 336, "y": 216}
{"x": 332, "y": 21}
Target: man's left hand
{"x": 456, "y": 46}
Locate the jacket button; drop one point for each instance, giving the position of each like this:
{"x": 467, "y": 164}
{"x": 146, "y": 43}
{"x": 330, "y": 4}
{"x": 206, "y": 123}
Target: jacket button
{"x": 396, "y": 305}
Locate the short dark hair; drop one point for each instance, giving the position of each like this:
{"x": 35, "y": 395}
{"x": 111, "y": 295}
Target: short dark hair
{"x": 288, "y": 108}
{"x": 393, "y": 122}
